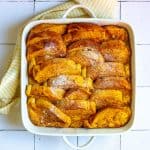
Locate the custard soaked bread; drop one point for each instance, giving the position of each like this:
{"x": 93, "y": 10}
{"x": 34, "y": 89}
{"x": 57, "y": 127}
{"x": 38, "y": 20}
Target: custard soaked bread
{"x": 85, "y": 52}
{"x": 79, "y": 76}
{"x": 109, "y": 117}
{"x": 55, "y": 67}
{"x": 46, "y": 43}
{"x": 78, "y": 31}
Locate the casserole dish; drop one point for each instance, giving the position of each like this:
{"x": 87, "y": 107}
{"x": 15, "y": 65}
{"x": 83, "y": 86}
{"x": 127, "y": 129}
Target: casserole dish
{"x": 24, "y": 79}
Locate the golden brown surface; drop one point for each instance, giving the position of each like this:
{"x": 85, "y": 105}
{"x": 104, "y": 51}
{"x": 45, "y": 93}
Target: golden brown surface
{"x": 79, "y": 76}
{"x": 70, "y": 82}
{"x": 43, "y": 112}
{"x": 46, "y": 44}
{"x": 112, "y": 83}
{"x": 77, "y": 110}
{"x": 110, "y": 117}
{"x": 78, "y": 31}
{"x": 108, "y": 98}
{"x": 79, "y": 94}
{"x": 89, "y": 106}
{"x": 85, "y": 52}
{"x": 115, "y": 51}
{"x": 106, "y": 69}
{"x": 58, "y": 28}
{"x": 116, "y": 32}
{"x": 55, "y": 67}
{"x": 51, "y": 93}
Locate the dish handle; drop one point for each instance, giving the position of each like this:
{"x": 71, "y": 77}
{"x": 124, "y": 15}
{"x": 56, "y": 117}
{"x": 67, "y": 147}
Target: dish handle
{"x": 78, "y": 147}
{"x": 89, "y": 11}
{"x": 91, "y": 14}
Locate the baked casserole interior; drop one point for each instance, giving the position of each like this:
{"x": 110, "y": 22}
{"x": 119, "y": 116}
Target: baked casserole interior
{"x": 79, "y": 76}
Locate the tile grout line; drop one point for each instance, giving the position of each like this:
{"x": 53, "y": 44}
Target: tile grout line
{"x": 52, "y": 1}
{"x": 120, "y": 11}
{"x": 77, "y": 141}
{"x": 134, "y": 1}
{"x": 142, "y": 44}
{"x": 143, "y": 86}
{"x": 139, "y": 130}
{"x": 21, "y": 1}
{"x": 34, "y": 141}
{"x": 120, "y": 143}
{"x": 11, "y": 1}
{"x": 11, "y": 130}
{"x": 34, "y": 7}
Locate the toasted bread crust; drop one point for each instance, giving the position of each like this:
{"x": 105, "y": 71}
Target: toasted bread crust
{"x": 79, "y": 76}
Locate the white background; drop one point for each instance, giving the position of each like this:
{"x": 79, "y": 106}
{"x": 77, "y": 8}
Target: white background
{"x": 13, "y": 136}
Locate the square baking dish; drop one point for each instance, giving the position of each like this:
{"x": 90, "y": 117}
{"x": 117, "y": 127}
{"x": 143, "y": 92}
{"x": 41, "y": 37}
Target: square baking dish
{"x": 24, "y": 81}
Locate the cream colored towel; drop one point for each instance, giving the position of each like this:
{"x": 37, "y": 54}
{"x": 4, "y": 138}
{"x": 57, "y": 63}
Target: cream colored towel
{"x": 9, "y": 91}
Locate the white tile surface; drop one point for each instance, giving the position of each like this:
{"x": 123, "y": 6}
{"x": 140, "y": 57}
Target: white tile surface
{"x": 12, "y": 15}
{"x": 134, "y": 0}
{"x": 53, "y": 142}
{"x": 142, "y": 119}
{"x": 102, "y": 142}
{"x": 117, "y": 12}
{"x": 137, "y": 13}
{"x": 51, "y": 0}
{"x": 6, "y": 52}
{"x": 16, "y": 0}
{"x": 16, "y": 140}
{"x": 136, "y": 140}
{"x": 42, "y": 6}
{"x": 142, "y": 65}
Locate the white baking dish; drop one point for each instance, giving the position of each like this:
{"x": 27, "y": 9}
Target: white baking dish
{"x": 24, "y": 81}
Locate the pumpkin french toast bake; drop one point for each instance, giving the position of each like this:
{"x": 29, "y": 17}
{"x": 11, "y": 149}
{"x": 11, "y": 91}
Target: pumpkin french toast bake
{"x": 79, "y": 76}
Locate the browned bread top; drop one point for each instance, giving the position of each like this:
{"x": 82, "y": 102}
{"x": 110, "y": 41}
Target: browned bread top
{"x": 79, "y": 76}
